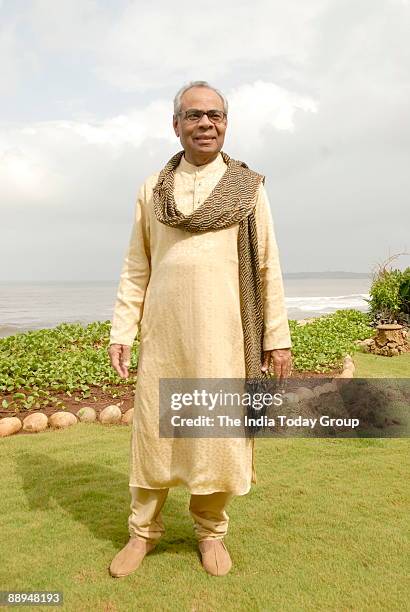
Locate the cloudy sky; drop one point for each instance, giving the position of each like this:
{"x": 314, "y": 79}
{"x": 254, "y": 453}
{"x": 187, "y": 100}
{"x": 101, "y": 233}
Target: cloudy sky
{"x": 319, "y": 99}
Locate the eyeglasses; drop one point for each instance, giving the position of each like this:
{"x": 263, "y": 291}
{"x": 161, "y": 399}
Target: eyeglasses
{"x": 194, "y": 114}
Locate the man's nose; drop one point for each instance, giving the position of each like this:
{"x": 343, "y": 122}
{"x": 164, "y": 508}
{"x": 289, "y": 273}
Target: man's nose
{"x": 204, "y": 120}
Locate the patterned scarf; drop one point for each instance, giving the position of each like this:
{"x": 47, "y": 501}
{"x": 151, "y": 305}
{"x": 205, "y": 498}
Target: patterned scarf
{"x": 231, "y": 201}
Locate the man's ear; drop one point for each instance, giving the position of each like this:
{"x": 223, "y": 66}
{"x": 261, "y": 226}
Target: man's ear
{"x": 175, "y": 124}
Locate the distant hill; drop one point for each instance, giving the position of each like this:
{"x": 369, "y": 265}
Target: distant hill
{"x": 327, "y": 274}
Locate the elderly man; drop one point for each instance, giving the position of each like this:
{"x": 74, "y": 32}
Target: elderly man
{"x": 202, "y": 283}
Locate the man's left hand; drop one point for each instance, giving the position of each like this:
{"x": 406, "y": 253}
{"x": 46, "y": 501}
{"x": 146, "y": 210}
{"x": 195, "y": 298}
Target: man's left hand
{"x": 282, "y": 362}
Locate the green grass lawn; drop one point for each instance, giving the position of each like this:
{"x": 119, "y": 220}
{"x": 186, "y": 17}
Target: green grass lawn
{"x": 377, "y": 366}
{"x": 325, "y": 527}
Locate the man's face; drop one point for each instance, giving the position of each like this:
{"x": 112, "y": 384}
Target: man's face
{"x": 202, "y": 140}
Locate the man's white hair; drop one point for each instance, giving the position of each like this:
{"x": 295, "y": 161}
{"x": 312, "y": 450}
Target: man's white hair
{"x": 178, "y": 97}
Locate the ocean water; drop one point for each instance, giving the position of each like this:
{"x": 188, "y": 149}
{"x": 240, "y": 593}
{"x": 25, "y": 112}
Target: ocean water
{"x": 33, "y": 306}
{"x": 313, "y": 297}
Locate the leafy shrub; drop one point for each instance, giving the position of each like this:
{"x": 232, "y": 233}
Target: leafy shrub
{"x": 404, "y": 292}
{"x": 390, "y": 295}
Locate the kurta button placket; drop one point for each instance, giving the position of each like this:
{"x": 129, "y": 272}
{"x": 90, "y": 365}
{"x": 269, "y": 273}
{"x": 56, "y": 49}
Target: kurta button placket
{"x": 197, "y": 199}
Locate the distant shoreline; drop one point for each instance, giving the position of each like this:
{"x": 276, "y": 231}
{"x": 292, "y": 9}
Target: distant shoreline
{"x": 41, "y": 305}
{"x": 326, "y": 275}
{"x": 329, "y": 275}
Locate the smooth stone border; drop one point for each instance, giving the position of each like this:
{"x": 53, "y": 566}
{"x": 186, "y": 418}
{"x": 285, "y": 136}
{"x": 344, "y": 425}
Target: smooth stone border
{"x": 9, "y": 425}
{"x": 127, "y": 417}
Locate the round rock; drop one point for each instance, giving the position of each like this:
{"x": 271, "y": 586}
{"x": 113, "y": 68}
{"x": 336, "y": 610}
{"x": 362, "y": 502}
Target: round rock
{"x": 9, "y": 426}
{"x": 110, "y": 415}
{"x": 35, "y": 422}
{"x": 347, "y": 373}
{"x": 291, "y": 397}
{"x": 347, "y": 362}
{"x": 60, "y": 420}
{"x": 87, "y": 414}
{"x": 329, "y": 387}
{"x": 127, "y": 417}
{"x": 304, "y": 393}
{"x": 319, "y": 390}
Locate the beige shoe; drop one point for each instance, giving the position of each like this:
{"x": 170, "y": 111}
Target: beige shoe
{"x": 215, "y": 557}
{"x": 130, "y": 557}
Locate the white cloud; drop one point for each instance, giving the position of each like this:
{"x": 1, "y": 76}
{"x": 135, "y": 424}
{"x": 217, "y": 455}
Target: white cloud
{"x": 152, "y": 48}
{"x": 14, "y": 60}
{"x": 136, "y": 46}
{"x": 41, "y": 159}
{"x": 24, "y": 179}
{"x": 318, "y": 101}
{"x": 69, "y": 25}
{"x": 256, "y": 107}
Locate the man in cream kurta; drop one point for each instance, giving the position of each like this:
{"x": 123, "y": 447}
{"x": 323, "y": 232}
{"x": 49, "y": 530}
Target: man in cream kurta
{"x": 181, "y": 291}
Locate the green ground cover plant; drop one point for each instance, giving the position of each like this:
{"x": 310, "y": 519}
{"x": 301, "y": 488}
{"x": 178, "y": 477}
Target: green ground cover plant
{"x": 69, "y": 358}
{"x": 321, "y": 345}
{"x": 73, "y": 359}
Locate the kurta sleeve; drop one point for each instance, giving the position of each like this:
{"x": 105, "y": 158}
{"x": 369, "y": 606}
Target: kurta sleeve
{"x": 276, "y": 326}
{"x": 134, "y": 278}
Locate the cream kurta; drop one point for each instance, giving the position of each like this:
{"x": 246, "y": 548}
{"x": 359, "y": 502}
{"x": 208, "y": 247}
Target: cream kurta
{"x": 182, "y": 289}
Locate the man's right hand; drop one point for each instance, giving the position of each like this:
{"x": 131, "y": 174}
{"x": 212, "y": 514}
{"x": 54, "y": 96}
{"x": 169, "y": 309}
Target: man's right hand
{"x": 120, "y": 355}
